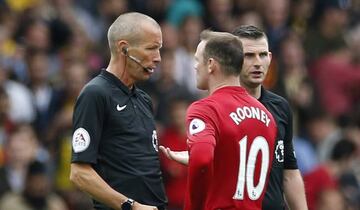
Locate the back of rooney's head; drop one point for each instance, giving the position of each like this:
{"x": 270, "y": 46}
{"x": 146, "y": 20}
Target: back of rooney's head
{"x": 226, "y": 49}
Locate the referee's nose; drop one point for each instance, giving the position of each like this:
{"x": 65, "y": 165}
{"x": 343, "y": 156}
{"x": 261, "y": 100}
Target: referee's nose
{"x": 157, "y": 57}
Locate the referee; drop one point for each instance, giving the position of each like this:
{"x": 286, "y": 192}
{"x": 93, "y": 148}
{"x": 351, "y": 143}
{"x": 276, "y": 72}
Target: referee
{"x": 114, "y": 145}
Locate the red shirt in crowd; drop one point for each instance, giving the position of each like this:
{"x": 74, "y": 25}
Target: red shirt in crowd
{"x": 316, "y": 182}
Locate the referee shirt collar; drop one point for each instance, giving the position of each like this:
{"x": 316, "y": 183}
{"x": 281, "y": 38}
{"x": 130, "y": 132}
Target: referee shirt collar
{"x": 117, "y": 82}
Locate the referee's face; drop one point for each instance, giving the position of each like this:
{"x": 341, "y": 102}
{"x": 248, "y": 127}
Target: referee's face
{"x": 147, "y": 52}
{"x": 257, "y": 59}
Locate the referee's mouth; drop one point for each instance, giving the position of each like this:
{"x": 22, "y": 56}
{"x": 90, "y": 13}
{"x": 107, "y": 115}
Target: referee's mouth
{"x": 257, "y": 73}
{"x": 149, "y": 70}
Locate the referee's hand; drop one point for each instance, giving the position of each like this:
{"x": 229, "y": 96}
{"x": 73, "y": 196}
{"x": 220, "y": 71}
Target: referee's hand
{"x": 139, "y": 206}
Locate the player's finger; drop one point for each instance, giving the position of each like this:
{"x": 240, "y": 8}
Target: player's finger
{"x": 170, "y": 153}
{"x": 163, "y": 149}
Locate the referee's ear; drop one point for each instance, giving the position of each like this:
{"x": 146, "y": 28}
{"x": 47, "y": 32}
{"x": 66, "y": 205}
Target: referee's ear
{"x": 125, "y": 50}
{"x": 122, "y": 47}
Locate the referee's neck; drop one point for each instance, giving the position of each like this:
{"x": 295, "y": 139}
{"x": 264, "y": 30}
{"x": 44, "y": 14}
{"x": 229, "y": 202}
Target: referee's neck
{"x": 254, "y": 91}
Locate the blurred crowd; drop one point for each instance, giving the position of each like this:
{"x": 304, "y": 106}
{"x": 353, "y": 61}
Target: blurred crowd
{"x": 50, "y": 48}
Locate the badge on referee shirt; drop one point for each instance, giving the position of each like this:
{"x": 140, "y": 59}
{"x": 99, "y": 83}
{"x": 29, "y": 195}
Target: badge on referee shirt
{"x": 80, "y": 140}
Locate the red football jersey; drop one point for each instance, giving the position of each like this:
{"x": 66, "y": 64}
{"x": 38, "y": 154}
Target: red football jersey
{"x": 230, "y": 136}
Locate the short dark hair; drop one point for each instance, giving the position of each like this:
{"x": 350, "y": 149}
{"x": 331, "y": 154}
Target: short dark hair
{"x": 225, "y": 48}
{"x": 36, "y": 167}
{"x": 249, "y": 32}
{"x": 343, "y": 149}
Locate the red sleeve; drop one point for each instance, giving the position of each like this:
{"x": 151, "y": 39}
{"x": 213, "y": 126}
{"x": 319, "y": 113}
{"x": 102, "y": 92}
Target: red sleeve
{"x": 201, "y": 134}
{"x": 200, "y": 126}
{"x": 199, "y": 174}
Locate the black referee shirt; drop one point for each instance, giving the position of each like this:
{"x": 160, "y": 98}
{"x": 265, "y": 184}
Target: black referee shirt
{"x": 284, "y": 157}
{"x": 114, "y": 130}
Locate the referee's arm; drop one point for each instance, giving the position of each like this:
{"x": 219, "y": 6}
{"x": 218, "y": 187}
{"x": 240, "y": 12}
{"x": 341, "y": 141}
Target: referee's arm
{"x": 293, "y": 183}
{"x": 294, "y": 189}
{"x": 86, "y": 179}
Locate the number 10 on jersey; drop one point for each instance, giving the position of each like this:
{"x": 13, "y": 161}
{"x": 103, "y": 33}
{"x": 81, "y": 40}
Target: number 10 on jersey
{"x": 247, "y": 168}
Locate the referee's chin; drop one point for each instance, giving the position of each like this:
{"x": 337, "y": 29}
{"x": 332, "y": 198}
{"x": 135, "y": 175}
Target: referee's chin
{"x": 142, "y": 76}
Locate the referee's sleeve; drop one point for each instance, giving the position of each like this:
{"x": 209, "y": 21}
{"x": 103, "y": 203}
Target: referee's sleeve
{"x": 88, "y": 120}
{"x": 290, "y": 157}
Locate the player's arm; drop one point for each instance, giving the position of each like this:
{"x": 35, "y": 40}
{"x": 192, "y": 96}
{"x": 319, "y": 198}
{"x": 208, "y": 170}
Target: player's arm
{"x": 294, "y": 189}
{"x": 199, "y": 174}
{"x": 86, "y": 179}
{"x": 201, "y": 134}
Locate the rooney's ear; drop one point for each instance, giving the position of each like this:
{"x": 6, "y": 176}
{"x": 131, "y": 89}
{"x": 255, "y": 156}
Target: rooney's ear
{"x": 212, "y": 65}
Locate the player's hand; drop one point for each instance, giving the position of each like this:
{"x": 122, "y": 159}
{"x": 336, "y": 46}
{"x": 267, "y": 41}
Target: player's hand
{"x": 179, "y": 156}
{"x": 139, "y": 206}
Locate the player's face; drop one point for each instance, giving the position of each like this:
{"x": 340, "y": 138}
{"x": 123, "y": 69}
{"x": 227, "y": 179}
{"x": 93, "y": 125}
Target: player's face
{"x": 201, "y": 67}
{"x": 147, "y": 52}
{"x": 257, "y": 59}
